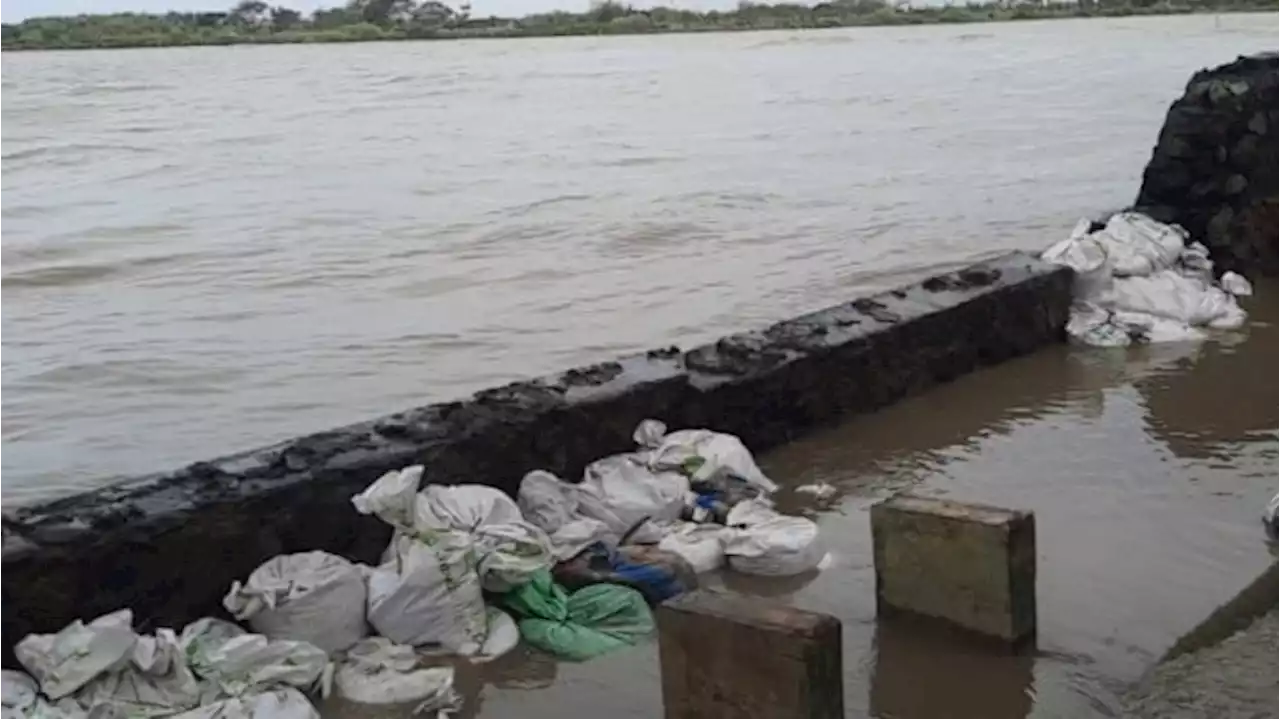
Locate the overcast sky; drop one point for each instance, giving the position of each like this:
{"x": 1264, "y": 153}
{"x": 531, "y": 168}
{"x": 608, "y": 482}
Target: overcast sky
{"x": 15, "y": 10}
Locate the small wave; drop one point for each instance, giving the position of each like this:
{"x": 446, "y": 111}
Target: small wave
{"x": 60, "y": 276}
{"x": 539, "y": 204}
{"x": 71, "y": 148}
{"x": 116, "y": 89}
{"x": 808, "y": 37}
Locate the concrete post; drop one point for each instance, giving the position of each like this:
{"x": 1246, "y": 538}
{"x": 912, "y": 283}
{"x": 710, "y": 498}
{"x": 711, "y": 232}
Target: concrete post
{"x": 970, "y": 565}
{"x": 727, "y": 656}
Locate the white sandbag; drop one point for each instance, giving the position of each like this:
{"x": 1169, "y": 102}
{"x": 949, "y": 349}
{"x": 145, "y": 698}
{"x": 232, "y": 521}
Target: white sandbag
{"x": 392, "y": 497}
{"x": 313, "y": 597}
{"x": 1194, "y": 262}
{"x": 1236, "y": 284}
{"x": 251, "y": 663}
{"x": 1137, "y": 245}
{"x": 594, "y": 505}
{"x": 628, "y": 491}
{"x": 428, "y": 592}
{"x": 701, "y": 545}
{"x": 66, "y": 661}
{"x": 553, "y": 505}
{"x": 283, "y": 703}
{"x": 464, "y": 507}
{"x": 509, "y": 550}
{"x": 547, "y": 501}
{"x": 1096, "y": 327}
{"x": 1173, "y": 296}
{"x": 155, "y": 682}
{"x": 1149, "y": 329}
{"x": 379, "y": 671}
{"x": 771, "y": 544}
{"x": 1087, "y": 257}
{"x": 701, "y": 454}
{"x": 202, "y": 637}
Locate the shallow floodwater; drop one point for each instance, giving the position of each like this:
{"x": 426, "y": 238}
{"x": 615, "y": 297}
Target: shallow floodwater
{"x": 1148, "y": 471}
{"x": 209, "y": 249}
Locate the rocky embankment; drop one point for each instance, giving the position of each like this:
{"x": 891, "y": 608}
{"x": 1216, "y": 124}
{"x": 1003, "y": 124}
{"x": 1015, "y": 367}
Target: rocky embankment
{"x": 1213, "y": 170}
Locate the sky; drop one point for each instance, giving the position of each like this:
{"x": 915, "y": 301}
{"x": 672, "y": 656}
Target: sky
{"x": 16, "y": 10}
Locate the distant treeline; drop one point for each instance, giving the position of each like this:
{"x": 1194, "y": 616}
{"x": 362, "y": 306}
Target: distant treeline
{"x": 254, "y": 21}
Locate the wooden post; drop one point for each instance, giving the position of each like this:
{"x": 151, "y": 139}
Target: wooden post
{"x": 972, "y": 566}
{"x": 727, "y": 656}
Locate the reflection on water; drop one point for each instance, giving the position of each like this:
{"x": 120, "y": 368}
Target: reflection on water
{"x": 1147, "y": 470}
{"x": 915, "y": 677}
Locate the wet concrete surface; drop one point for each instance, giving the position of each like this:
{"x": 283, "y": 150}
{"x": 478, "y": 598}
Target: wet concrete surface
{"x": 1232, "y": 680}
{"x": 1148, "y": 471}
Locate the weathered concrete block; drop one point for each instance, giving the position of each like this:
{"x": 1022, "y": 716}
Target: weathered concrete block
{"x": 128, "y": 545}
{"x": 972, "y": 566}
{"x": 728, "y": 656}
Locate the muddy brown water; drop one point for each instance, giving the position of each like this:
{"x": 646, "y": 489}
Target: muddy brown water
{"x": 1148, "y": 471}
{"x": 208, "y": 250}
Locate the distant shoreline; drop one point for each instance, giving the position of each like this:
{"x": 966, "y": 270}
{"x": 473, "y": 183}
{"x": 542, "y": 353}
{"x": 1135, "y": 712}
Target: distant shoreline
{"x": 255, "y": 23}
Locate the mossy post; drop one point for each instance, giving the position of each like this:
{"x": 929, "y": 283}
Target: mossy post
{"x": 968, "y": 565}
{"x": 727, "y": 656}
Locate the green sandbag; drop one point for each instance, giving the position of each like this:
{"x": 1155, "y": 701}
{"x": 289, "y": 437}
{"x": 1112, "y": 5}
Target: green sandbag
{"x": 539, "y": 598}
{"x": 601, "y": 618}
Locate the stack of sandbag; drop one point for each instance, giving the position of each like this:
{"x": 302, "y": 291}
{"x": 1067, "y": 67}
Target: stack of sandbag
{"x": 312, "y": 597}
{"x": 1138, "y": 280}
{"x": 592, "y": 621}
{"x": 213, "y": 669}
{"x": 450, "y": 543}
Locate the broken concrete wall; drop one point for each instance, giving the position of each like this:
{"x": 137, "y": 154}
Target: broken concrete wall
{"x": 169, "y": 545}
{"x": 1213, "y": 170}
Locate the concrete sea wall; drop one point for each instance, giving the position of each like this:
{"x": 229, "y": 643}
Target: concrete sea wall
{"x": 169, "y": 545}
{"x": 1213, "y": 169}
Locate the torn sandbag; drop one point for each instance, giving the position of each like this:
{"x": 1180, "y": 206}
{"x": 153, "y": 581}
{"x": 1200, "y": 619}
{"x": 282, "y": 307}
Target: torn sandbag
{"x": 701, "y": 545}
{"x": 313, "y": 597}
{"x": 155, "y": 682}
{"x": 658, "y": 575}
{"x": 553, "y": 505}
{"x": 282, "y": 703}
{"x": 379, "y": 671}
{"x": 622, "y": 491}
{"x": 251, "y": 663}
{"x": 771, "y": 544}
{"x": 590, "y": 622}
{"x": 427, "y": 591}
{"x": 700, "y": 454}
{"x": 62, "y": 663}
